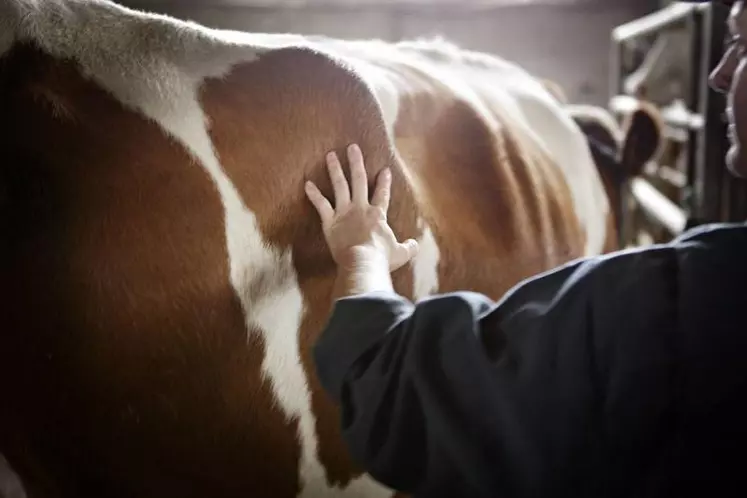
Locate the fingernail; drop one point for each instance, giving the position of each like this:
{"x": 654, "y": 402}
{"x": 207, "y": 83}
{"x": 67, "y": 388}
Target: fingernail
{"x": 387, "y": 172}
{"x": 353, "y": 147}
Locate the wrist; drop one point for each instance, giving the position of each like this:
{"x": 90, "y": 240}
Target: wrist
{"x": 365, "y": 269}
{"x": 359, "y": 257}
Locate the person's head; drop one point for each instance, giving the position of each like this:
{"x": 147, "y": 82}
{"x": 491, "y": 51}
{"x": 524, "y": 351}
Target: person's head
{"x": 730, "y": 77}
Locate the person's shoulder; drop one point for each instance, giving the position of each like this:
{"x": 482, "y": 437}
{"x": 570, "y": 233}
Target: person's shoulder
{"x": 713, "y": 233}
{"x": 713, "y": 253}
{"x": 720, "y": 247}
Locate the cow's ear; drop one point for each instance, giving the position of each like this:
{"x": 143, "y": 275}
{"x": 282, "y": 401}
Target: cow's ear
{"x": 642, "y": 136}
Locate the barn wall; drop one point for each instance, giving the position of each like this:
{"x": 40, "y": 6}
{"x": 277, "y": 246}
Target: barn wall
{"x": 567, "y": 43}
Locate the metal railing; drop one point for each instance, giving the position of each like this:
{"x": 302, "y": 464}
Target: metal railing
{"x": 709, "y": 194}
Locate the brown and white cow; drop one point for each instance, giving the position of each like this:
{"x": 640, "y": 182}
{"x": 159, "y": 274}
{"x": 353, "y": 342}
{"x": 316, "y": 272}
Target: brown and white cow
{"x": 163, "y": 275}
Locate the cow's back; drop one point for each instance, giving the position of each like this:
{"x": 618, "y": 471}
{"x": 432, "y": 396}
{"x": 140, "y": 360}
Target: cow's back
{"x": 165, "y": 275}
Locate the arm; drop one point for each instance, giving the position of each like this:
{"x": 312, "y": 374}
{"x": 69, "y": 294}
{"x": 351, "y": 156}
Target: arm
{"x": 560, "y": 386}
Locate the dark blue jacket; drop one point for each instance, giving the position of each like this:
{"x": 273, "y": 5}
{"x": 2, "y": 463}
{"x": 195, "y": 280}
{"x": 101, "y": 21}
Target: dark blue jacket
{"x": 617, "y": 376}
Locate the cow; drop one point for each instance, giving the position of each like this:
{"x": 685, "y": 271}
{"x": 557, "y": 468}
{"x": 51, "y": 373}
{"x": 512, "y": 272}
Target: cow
{"x": 164, "y": 276}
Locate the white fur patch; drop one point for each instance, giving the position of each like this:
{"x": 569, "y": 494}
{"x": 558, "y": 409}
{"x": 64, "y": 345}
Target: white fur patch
{"x": 386, "y": 95}
{"x": 277, "y": 311}
{"x": 425, "y": 265}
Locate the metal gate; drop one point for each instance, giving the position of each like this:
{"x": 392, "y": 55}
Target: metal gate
{"x": 688, "y": 184}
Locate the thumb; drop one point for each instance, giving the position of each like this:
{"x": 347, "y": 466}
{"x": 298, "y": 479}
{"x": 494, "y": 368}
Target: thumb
{"x": 404, "y": 253}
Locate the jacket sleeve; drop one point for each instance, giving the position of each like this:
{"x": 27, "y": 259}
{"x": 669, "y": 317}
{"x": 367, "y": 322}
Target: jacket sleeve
{"x": 559, "y": 387}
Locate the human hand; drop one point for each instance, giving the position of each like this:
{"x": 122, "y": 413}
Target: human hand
{"x": 355, "y": 228}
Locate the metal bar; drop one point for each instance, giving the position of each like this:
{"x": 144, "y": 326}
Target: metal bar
{"x": 622, "y": 222}
{"x": 635, "y": 192}
{"x": 656, "y": 205}
{"x": 616, "y": 58}
{"x": 623, "y": 104}
{"x": 654, "y": 22}
{"x": 690, "y": 195}
{"x": 710, "y": 144}
{"x": 670, "y": 176}
{"x": 679, "y": 117}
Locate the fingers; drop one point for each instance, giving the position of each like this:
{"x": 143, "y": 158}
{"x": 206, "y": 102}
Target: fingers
{"x": 358, "y": 181}
{"x": 404, "y": 253}
{"x": 358, "y": 177}
{"x": 322, "y": 205}
{"x": 410, "y": 248}
{"x": 383, "y": 190}
{"x": 339, "y": 183}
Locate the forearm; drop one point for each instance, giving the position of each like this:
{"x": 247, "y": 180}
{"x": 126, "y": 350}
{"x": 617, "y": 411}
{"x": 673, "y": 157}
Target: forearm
{"x": 370, "y": 359}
